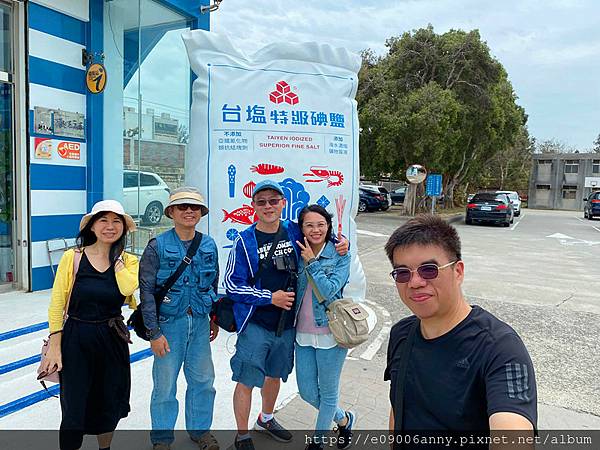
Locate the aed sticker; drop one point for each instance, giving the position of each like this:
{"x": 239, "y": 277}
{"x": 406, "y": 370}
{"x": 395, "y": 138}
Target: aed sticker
{"x": 69, "y": 150}
{"x": 43, "y": 148}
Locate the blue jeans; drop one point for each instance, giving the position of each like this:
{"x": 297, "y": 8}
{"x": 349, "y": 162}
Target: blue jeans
{"x": 188, "y": 338}
{"x": 318, "y": 376}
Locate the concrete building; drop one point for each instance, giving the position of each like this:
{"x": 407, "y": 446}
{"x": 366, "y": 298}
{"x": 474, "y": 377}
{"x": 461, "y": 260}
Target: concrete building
{"x": 563, "y": 181}
{"x": 64, "y": 142}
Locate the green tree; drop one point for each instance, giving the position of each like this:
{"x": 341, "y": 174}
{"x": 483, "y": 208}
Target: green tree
{"x": 439, "y": 100}
{"x": 596, "y": 148}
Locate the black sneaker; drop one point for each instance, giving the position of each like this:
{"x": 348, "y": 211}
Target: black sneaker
{"x": 274, "y": 429}
{"x": 244, "y": 444}
{"x": 345, "y": 432}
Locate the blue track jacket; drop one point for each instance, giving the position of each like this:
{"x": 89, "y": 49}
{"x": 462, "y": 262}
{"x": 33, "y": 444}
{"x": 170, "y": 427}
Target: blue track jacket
{"x": 242, "y": 264}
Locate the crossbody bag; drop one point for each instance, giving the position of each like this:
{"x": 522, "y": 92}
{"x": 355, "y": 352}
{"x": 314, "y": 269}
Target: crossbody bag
{"x": 347, "y": 319}
{"x": 136, "y": 320}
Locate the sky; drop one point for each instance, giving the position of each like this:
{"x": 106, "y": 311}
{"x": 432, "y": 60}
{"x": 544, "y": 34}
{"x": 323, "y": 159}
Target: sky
{"x": 550, "y": 48}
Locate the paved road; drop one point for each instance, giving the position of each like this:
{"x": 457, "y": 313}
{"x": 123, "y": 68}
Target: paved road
{"x": 540, "y": 276}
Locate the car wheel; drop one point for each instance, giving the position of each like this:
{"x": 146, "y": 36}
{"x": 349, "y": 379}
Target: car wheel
{"x": 153, "y": 214}
{"x": 518, "y": 213}
{"x": 512, "y": 219}
{"x": 362, "y": 206}
{"x": 385, "y": 208}
{"x": 469, "y": 221}
{"x": 506, "y": 224}
{"x": 590, "y": 217}
{"x": 584, "y": 214}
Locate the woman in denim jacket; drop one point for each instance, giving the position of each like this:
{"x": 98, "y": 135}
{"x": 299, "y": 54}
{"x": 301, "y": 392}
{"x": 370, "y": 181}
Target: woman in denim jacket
{"x": 319, "y": 360}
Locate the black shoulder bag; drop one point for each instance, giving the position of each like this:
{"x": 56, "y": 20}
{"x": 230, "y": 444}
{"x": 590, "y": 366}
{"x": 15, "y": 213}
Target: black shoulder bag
{"x": 222, "y": 313}
{"x": 401, "y": 380}
{"x": 136, "y": 320}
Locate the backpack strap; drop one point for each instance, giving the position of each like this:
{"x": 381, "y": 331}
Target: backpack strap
{"x": 401, "y": 379}
{"x": 78, "y": 254}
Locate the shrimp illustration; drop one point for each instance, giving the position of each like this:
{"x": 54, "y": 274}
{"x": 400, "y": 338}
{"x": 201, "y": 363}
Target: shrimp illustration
{"x": 333, "y": 177}
{"x": 266, "y": 169}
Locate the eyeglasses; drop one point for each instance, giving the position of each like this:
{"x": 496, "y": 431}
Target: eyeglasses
{"x": 428, "y": 271}
{"x": 185, "y": 206}
{"x": 271, "y": 201}
{"x": 315, "y": 226}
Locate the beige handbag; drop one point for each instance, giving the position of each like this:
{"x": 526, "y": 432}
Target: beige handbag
{"x": 347, "y": 319}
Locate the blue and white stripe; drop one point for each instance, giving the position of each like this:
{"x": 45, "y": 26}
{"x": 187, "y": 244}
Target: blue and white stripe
{"x": 57, "y": 36}
{"x": 230, "y": 286}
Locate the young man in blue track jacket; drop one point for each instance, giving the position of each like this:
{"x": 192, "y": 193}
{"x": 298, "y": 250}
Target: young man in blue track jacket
{"x": 262, "y": 357}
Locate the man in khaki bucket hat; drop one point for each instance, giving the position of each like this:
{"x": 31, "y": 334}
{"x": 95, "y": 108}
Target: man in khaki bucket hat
{"x": 180, "y": 332}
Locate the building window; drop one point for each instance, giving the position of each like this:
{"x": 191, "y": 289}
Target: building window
{"x": 569, "y": 192}
{"x": 596, "y": 166}
{"x": 571, "y": 166}
{"x": 544, "y": 162}
{"x": 543, "y": 187}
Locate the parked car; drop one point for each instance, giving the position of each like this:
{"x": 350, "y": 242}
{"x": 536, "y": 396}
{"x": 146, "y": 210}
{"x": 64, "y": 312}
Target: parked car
{"x": 380, "y": 190}
{"x": 591, "y": 208}
{"x": 490, "y": 207}
{"x": 398, "y": 195}
{"x": 153, "y": 195}
{"x": 515, "y": 199}
{"x": 371, "y": 201}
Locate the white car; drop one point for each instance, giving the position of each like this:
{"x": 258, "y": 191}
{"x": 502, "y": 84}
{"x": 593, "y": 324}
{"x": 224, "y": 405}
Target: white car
{"x": 153, "y": 195}
{"x": 514, "y": 199}
{"x": 378, "y": 190}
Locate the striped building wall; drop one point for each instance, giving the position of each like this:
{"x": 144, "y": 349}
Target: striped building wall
{"x": 58, "y": 31}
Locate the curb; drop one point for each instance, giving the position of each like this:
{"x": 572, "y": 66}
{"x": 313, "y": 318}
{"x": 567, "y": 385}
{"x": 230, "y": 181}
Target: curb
{"x": 454, "y": 218}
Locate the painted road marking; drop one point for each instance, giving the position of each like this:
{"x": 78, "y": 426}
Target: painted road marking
{"x": 370, "y": 233}
{"x": 376, "y": 344}
{"x": 381, "y": 337}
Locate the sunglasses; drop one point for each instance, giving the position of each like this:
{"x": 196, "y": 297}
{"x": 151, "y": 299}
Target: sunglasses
{"x": 429, "y": 271}
{"x": 185, "y": 206}
{"x": 271, "y": 201}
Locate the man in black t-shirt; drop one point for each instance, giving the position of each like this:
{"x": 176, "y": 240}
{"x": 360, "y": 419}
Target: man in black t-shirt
{"x": 466, "y": 370}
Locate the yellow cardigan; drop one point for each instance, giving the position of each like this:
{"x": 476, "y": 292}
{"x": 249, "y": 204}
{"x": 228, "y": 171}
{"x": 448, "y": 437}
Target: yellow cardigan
{"x": 127, "y": 280}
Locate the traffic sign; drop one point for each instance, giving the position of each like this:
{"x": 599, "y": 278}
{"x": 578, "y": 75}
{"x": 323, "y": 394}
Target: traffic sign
{"x": 433, "y": 186}
{"x": 416, "y": 174}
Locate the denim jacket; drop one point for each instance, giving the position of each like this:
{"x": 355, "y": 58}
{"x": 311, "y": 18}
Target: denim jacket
{"x": 330, "y": 273}
{"x": 195, "y": 287}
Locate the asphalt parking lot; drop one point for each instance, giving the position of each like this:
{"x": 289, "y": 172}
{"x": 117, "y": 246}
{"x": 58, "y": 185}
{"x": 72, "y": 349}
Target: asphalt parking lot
{"x": 540, "y": 275}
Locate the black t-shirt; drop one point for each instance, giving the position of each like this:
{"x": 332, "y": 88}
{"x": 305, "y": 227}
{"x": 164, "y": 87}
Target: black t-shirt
{"x": 273, "y": 279}
{"x": 457, "y": 380}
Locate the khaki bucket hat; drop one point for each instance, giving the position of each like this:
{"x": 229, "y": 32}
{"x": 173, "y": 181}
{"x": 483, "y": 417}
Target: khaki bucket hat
{"x": 186, "y": 195}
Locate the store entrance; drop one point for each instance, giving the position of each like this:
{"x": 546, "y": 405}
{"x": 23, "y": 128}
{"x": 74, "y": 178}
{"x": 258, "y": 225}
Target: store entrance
{"x": 7, "y": 210}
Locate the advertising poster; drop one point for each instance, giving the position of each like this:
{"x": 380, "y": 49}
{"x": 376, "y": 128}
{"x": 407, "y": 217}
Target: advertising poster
{"x": 286, "y": 113}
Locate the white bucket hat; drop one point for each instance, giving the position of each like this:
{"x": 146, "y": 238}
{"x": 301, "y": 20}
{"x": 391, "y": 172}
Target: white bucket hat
{"x": 108, "y": 206}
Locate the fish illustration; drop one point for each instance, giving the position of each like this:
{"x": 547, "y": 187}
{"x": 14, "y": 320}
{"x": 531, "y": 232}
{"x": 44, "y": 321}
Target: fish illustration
{"x": 244, "y": 215}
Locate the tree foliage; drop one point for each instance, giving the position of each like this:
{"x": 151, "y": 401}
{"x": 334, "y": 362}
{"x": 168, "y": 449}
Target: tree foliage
{"x": 596, "y": 148}
{"x": 443, "y": 101}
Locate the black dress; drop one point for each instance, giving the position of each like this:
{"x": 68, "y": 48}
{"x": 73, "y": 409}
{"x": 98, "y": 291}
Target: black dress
{"x": 95, "y": 379}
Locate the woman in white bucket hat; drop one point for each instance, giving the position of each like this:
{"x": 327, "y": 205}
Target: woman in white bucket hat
{"x": 90, "y": 348}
